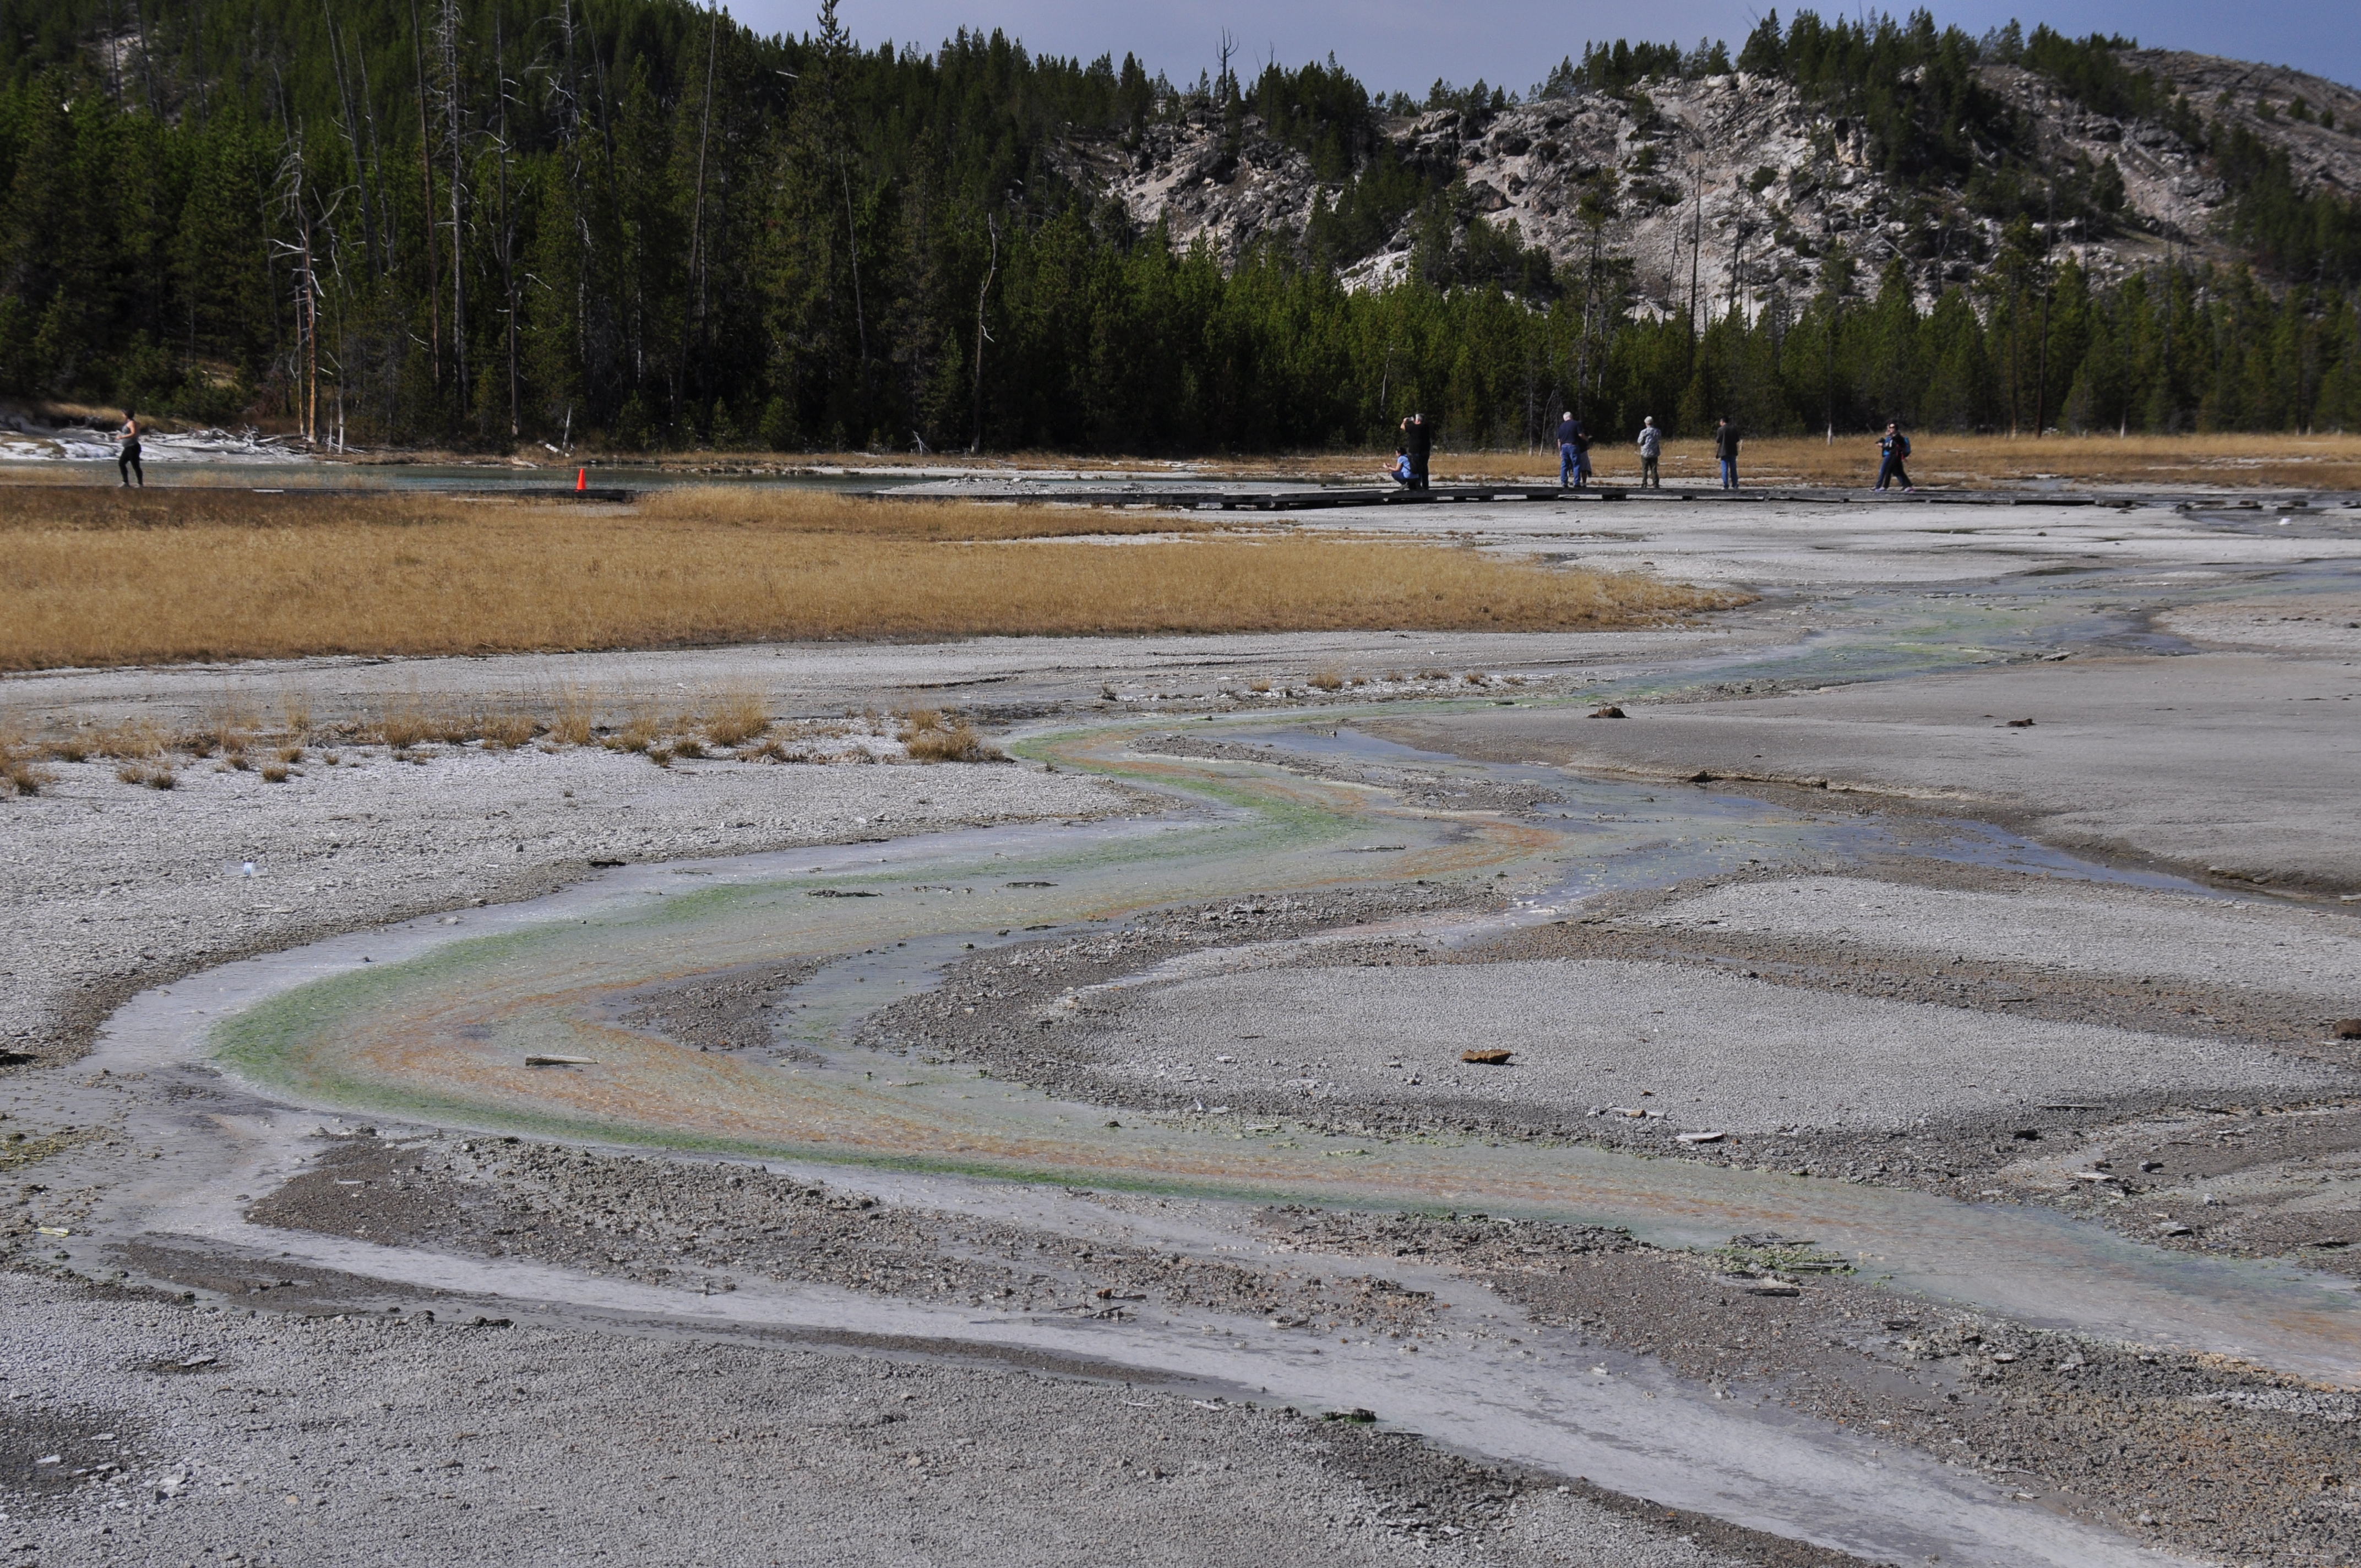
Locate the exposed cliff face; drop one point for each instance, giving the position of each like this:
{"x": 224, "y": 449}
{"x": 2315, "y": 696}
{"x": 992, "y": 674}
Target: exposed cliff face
{"x": 1734, "y": 186}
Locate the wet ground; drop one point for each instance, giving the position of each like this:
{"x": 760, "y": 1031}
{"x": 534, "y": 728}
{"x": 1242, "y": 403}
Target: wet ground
{"x": 1888, "y": 1162}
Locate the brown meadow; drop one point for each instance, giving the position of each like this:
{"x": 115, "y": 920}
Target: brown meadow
{"x": 92, "y": 576}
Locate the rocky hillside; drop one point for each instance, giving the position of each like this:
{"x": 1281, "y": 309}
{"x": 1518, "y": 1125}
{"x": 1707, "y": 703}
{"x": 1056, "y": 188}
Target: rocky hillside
{"x": 1770, "y": 183}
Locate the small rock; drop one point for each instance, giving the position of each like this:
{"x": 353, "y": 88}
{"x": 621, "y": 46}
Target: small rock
{"x": 1610, "y": 711}
{"x": 2174, "y": 1228}
{"x": 2020, "y": 724}
{"x": 1697, "y": 1137}
{"x": 2348, "y": 1028}
{"x": 1488, "y": 1057}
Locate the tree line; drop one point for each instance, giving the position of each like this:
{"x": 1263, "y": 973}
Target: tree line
{"x": 488, "y": 222}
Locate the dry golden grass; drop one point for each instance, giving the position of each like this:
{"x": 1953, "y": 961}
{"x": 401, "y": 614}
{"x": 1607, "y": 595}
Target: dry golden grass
{"x": 211, "y": 575}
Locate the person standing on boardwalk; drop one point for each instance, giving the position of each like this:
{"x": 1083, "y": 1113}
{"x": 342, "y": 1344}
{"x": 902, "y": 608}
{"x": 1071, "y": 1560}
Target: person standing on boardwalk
{"x": 1419, "y": 441}
{"x": 1725, "y": 446}
{"x": 1652, "y": 448}
{"x": 1573, "y": 453}
{"x": 127, "y": 459}
{"x": 1892, "y": 448}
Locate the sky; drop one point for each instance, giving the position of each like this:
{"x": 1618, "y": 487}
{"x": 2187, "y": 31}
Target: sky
{"x": 1406, "y": 44}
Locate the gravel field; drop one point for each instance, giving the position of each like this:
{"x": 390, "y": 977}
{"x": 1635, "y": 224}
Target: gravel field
{"x": 2310, "y": 625}
{"x": 222, "y": 1437}
{"x": 1702, "y": 1051}
{"x": 2137, "y": 935}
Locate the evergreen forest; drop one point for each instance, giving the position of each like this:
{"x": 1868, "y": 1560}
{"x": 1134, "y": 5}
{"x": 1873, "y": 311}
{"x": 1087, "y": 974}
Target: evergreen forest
{"x": 479, "y": 222}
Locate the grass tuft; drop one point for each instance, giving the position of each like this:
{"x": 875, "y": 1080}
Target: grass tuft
{"x": 575, "y": 721}
{"x": 1327, "y": 680}
{"x": 735, "y": 716}
{"x": 505, "y": 731}
{"x": 957, "y": 743}
{"x": 638, "y": 734}
{"x": 407, "y": 725}
{"x": 19, "y": 771}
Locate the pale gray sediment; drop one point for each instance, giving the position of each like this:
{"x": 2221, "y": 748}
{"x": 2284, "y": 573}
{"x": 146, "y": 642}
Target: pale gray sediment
{"x": 658, "y": 1304}
{"x": 419, "y": 1436}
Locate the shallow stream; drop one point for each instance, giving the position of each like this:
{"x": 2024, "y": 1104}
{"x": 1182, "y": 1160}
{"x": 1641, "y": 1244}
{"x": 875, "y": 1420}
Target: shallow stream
{"x": 435, "y": 1024}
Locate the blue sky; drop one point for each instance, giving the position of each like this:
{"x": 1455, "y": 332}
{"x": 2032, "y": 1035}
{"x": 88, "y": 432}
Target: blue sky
{"x": 1406, "y": 44}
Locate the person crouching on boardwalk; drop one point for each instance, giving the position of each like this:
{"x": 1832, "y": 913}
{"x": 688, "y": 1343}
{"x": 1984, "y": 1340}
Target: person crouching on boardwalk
{"x": 1418, "y": 440}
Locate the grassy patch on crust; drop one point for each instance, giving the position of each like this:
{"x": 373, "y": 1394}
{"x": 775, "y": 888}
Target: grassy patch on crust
{"x": 90, "y": 576}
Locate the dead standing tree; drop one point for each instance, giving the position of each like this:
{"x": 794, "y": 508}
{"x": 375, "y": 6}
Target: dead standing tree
{"x": 692, "y": 329}
{"x": 309, "y": 229}
{"x": 507, "y": 225}
{"x": 983, "y": 296}
{"x": 426, "y": 212}
{"x": 446, "y": 43}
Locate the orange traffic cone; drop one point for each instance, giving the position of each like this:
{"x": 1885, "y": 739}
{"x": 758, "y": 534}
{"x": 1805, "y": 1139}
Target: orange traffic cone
{"x": 581, "y": 480}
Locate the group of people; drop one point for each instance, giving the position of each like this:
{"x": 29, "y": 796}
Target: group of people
{"x": 1573, "y": 445}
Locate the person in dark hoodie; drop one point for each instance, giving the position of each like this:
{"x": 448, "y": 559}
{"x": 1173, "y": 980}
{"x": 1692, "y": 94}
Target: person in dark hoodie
{"x": 1419, "y": 441}
{"x": 1725, "y": 446}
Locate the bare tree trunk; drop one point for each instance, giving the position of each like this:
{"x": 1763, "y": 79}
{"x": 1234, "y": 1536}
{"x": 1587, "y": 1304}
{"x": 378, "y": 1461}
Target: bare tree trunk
{"x": 852, "y": 253}
{"x": 448, "y": 28}
{"x": 508, "y": 230}
{"x": 352, "y": 139}
{"x": 692, "y": 329}
{"x": 377, "y": 164}
{"x": 426, "y": 176}
{"x": 2041, "y": 359}
{"x": 311, "y": 344}
{"x": 147, "y": 61}
{"x": 975, "y": 442}
{"x": 1696, "y": 246}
